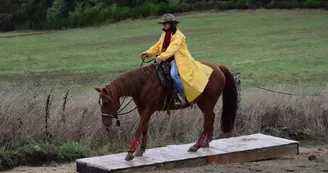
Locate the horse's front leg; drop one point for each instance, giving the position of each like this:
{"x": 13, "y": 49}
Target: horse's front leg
{"x": 143, "y": 145}
{"x": 142, "y": 129}
{"x": 143, "y": 140}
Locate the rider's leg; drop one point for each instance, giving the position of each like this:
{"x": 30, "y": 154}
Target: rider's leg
{"x": 177, "y": 82}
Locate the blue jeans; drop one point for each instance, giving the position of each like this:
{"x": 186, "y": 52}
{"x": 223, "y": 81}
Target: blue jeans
{"x": 176, "y": 78}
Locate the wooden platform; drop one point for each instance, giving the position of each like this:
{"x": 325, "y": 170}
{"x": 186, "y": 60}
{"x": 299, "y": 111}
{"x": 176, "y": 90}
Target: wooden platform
{"x": 230, "y": 150}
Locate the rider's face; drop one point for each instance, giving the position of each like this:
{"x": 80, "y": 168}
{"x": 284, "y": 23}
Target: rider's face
{"x": 166, "y": 26}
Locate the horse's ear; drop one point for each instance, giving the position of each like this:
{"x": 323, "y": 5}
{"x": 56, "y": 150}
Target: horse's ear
{"x": 105, "y": 90}
{"x": 98, "y": 89}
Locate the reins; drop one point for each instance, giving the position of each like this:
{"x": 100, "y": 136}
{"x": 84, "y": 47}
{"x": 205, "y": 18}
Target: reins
{"x": 121, "y": 109}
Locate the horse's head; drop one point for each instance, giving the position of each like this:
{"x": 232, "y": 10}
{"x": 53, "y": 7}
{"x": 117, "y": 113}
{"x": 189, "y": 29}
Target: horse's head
{"x": 109, "y": 106}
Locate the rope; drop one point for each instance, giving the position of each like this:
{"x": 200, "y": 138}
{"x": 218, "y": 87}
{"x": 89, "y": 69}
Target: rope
{"x": 290, "y": 94}
{"x": 143, "y": 61}
{"x": 124, "y": 106}
{"x": 123, "y": 101}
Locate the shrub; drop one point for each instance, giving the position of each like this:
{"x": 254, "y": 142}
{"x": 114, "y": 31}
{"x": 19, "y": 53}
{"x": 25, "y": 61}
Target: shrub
{"x": 33, "y": 151}
{"x": 8, "y": 159}
{"x": 171, "y": 7}
{"x": 73, "y": 19}
{"x": 286, "y": 4}
{"x": 153, "y": 9}
{"x": 149, "y": 9}
{"x": 243, "y": 4}
{"x": 163, "y": 8}
{"x": 56, "y": 14}
{"x": 185, "y": 7}
{"x": 115, "y": 11}
{"x": 123, "y": 13}
{"x": 311, "y": 4}
{"x": 72, "y": 150}
{"x": 210, "y": 5}
{"x": 325, "y": 5}
{"x": 198, "y": 6}
{"x": 174, "y": 6}
{"x": 289, "y": 4}
{"x": 100, "y": 13}
{"x": 90, "y": 16}
{"x": 96, "y": 15}
{"x": 37, "y": 153}
{"x": 142, "y": 10}
{"x": 107, "y": 14}
{"x": 190, "y": 1}
{"x": 226, "y": 5}
{"x": 272, "y": 4}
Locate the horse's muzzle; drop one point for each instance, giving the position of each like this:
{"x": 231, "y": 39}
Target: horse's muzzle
{"x": 107, "y": 120}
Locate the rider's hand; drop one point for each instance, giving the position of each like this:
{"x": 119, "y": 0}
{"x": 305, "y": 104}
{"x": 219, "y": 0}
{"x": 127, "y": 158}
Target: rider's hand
{"x": 144, "y": 55}
{"x": 157, "y": 61}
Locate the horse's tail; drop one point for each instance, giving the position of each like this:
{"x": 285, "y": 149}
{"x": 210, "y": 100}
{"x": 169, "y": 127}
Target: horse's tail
{"x": 229, "y": 110}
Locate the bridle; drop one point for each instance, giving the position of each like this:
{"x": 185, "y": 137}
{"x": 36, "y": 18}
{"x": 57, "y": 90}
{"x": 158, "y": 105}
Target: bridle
{"x": 107, "y": 115}
{"x": 117, "y": 113}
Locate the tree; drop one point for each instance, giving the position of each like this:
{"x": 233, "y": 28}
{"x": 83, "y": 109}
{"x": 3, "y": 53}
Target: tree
{"x": 23, "y": 14}
{"x": 57, "y": 13}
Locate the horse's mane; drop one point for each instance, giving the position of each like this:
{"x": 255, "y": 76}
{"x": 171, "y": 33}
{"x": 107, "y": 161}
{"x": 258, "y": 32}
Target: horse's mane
{"x": 130, "y": 82}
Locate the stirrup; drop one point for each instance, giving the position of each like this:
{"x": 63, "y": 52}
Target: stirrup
{"x": 181, "y": 101}
{"x": 178, "y": 104}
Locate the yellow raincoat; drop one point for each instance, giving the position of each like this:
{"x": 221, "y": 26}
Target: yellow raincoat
{"x": 194, "y": 75}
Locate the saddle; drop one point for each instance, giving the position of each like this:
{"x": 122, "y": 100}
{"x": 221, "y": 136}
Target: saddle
{"x": 163, "y": 74}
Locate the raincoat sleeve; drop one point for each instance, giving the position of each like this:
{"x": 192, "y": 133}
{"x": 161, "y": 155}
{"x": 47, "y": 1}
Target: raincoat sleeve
{"x": 172, "y": 49}
{"x": 154, "y": 49}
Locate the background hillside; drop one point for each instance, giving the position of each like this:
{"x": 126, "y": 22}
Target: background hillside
{"x": 60, "y": 14}
{"x": 49, "y": 110}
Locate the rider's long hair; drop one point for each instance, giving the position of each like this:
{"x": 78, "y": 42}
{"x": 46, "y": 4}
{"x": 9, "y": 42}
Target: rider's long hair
{"x": 174, "y": 27}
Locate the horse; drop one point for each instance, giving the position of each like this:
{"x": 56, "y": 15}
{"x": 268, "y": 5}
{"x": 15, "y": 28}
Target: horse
{"x": 143, "y": 85}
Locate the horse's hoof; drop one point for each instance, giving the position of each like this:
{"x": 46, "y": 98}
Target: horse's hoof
{"x": 129, "y": 157}
{"x": 193, "y": 149}
{"x": 206, "y": 145}
{"x": 138, "y": 153}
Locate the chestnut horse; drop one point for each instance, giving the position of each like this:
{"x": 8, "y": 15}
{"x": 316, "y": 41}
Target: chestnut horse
{"x": 143, "y": 85}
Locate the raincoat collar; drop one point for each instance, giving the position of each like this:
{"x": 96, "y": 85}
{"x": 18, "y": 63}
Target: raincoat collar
{"x": 173, "y": 31}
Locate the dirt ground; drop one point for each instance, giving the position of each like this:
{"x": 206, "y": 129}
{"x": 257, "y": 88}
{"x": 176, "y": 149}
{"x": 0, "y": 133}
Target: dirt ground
{"x": 310, "y": 160}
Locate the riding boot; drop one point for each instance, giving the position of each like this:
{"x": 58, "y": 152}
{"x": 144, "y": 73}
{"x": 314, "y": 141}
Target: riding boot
{"x": 180, "y": 102}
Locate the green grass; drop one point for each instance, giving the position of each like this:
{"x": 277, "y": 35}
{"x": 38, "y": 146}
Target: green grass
{"x": 267, "y": 47}
{"x": 27, "y": 150}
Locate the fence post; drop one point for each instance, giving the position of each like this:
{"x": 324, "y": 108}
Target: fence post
{"x": 237, "y": 78}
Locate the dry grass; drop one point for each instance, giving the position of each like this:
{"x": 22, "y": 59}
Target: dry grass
{"x": 76, "y": 116}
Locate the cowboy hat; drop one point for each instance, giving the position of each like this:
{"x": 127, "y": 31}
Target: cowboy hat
{"x": 168, "y": 18}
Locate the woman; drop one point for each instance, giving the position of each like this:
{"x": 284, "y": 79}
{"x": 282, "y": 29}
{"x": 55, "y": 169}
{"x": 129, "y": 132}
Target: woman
{"x": 172, "y": 47}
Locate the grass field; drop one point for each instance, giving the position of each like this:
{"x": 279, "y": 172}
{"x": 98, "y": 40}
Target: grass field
{"x": 284, "y": 49}
{"x": 267, "y": 47}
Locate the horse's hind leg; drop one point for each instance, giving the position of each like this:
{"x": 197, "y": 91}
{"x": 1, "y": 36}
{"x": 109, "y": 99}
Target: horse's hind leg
{"x": 207, "y": 135}
{"x": 208, "y": 129}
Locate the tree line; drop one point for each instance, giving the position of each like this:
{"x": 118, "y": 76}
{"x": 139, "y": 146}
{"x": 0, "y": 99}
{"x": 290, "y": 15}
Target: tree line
{"x": 58, "y": 14}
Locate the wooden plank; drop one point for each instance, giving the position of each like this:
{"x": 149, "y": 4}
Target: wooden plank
{"x": 230, "y": 150}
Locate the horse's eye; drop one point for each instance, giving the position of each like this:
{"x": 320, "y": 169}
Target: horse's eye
{"x": 104, "y": 102}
